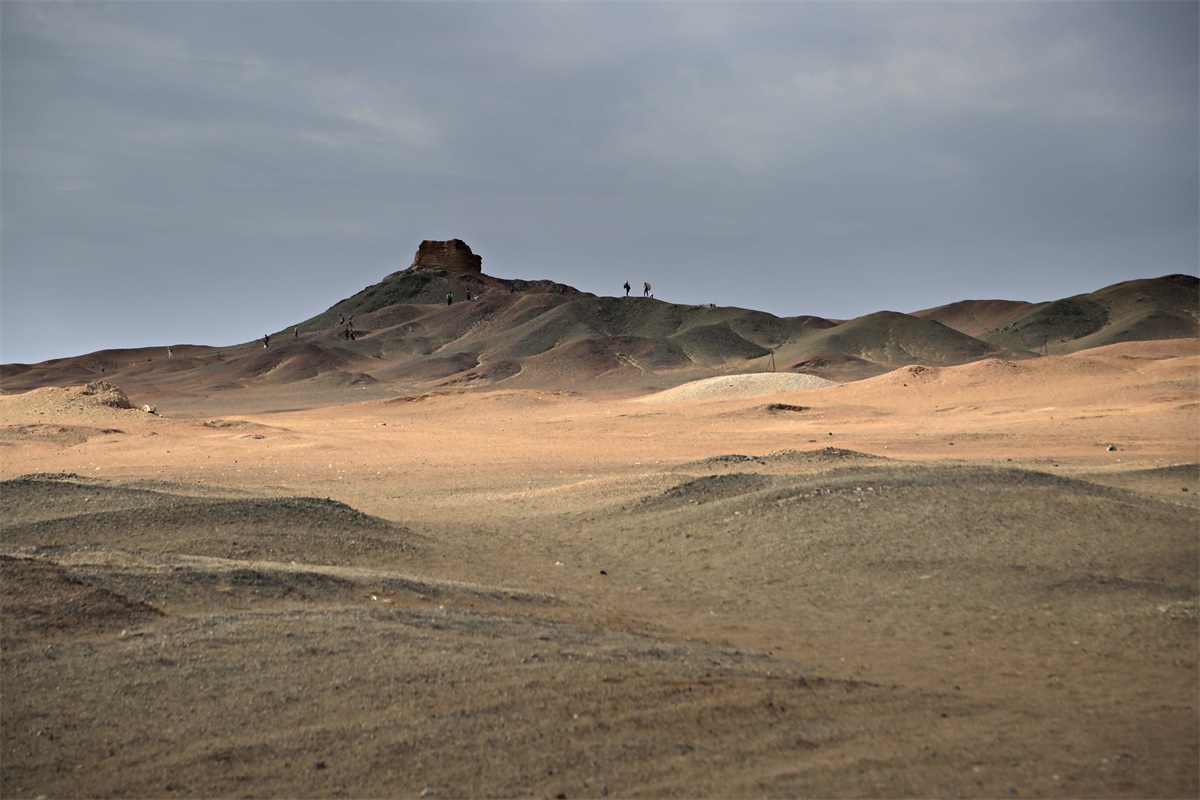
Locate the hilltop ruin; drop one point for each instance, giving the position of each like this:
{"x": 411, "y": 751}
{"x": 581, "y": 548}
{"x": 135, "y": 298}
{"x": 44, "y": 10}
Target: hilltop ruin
{"x": 452, "y": 256}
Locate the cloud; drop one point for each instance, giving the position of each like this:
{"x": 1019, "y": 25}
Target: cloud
{"x": 721, "y": 150}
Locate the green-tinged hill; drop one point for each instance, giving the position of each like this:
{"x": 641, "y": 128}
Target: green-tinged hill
{"x": 881, "y": 342}
{"x": 1139, "y": 310}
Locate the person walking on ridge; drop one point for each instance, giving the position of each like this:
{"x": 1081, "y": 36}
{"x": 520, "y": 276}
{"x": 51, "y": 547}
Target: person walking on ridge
{"x": 627, "y": 288}
{"x": 645, "y": 289}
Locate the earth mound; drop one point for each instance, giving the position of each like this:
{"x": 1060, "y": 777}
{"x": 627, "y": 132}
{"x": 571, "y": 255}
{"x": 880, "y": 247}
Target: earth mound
{"x": 728, "y": 387}
{"x": 106, "y": 394}
{"x": 710, "y": 488}
{"x": 279, "y": 529}
{"x": 44, "y": 598}
{"x": 100, "y": 402}
{"x": 825, "y": 455}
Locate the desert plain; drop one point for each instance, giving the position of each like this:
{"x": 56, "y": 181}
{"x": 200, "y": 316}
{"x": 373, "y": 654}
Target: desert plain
{"x": 969, "y": 581}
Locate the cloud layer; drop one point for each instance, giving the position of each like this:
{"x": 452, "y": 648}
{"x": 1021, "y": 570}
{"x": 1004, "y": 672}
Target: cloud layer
{"x": 208, "y": 172}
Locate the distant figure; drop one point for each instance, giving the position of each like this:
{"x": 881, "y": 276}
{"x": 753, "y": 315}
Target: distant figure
{"x": 169, "y": 353}
{"x": 468, "y": 295}
{"x": 296, "y": 332}
{"x": 627, "y": 288}
{"x": 346, "y": 333}
{"x": 102, "y": 369}
{"x": 341, "y": 319}
{"x": 512, "y": 287}
{"x": 645, "y": 289}
{"x": 266, "y": 340}
{"x": 449, "y": 298}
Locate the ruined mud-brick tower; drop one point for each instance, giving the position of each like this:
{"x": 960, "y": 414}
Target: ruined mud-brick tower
{"x": 453, "y": 256}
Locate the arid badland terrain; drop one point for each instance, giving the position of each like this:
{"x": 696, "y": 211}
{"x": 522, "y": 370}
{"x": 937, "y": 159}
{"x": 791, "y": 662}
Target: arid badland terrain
{"x": 546, "y": 544}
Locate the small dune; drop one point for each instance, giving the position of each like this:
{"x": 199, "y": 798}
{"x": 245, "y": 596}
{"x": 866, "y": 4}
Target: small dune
{"x": 729, "y": 387}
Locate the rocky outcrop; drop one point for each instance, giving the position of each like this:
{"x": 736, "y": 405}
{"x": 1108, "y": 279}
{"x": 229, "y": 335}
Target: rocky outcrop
{"x": 452, "y": 256}
{"x": 106, "y": 394}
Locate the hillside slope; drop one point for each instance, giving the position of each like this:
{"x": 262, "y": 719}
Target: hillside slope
{"x": 1139, "y": 310}
{"x": 415, "y": 328}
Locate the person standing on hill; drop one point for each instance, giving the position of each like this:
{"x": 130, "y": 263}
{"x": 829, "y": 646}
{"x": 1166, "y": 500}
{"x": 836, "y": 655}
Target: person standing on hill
{"x": 266, "y": 340}
{"x": 645, "y": 289}
{"x": 449, "y": 298}
{"x": 627, "y": 288}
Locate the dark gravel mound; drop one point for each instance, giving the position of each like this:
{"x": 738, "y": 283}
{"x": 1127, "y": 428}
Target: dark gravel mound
{"x": 46, "y": 599}
{"x": 708, "y": 489}
{"x": 65, "y": 514}
{"x": 730, "y": 461}
{"x": 784, "y": 408}
{"x": 826, "y": 455}
{"x": 799, "y": 459}
{"x": 47, "y": 496}
{"x": 1000, "y": 525}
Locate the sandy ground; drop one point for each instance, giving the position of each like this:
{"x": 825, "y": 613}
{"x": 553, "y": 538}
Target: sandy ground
{"x": 974, "y": 581}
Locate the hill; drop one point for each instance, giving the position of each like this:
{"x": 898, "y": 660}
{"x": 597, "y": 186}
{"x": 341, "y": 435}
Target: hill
{"x": 975, "y": 317}
{"x": 443, "y": 322}
{"x": 1139, "y": 310}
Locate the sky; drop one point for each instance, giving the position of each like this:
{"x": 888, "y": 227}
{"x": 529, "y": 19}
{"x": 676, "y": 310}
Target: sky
{"x": 207, "y": 172}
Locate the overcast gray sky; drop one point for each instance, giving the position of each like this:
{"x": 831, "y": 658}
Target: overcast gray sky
{"x": 206, "y": 172}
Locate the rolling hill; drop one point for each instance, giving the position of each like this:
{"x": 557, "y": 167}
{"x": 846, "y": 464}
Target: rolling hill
{"x": 416, "y": 329}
